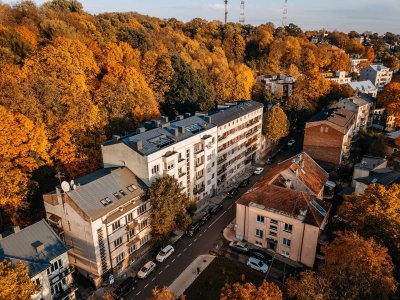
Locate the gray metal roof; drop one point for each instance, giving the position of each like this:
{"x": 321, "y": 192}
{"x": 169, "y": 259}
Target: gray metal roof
{"x": 102, "y": 184}
{"x": 387, "y": 178}
{"x": 20, "y": 247}
{"x": 363, "y": 86}
{"x": 158, "y": 138}
{"x": 223, "y": 116}
{"x": 369, "y": 162}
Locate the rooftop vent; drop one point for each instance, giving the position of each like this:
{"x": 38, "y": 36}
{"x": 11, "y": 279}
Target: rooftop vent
{"x": 187, "y": 115}
{"x": 137, "y": 145}
{"x": 116, "y": 138}
{"x": 208, "y": 119}
{"x": 179, "y": 117}
{"x": 164, "y": 119}
{"x": 16, "y": 229}
{"x": 140, "y": 130}
{"x": 38, "y": 246}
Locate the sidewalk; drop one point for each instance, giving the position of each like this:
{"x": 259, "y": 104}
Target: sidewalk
{"x": 189, "y": 275}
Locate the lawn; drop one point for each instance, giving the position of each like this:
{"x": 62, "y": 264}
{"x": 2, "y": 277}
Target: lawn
{"x": 222, "y": 270}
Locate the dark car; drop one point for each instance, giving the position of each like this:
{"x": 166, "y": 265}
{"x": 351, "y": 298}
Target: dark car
{"x": 260, "y": 254}
{"x": 124, "y": 288}
{"x": 245, "y": 183}
{"x": 206, "y": 217}
{"x": 232, "y": 193}
{"x": 193, "y": 228}
{"x": 268, "y": 161}
{"x": 216, "y": 209}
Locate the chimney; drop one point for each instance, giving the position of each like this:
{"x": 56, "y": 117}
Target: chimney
{"x": 116, "y": 138}
{"x": 16, "y": 229}
{"x": 179, "y": 117}
{"x": 187, "y": 115}
{"x": 208, "y": 119}
{"x": 157, "y": 123}
{"x": 140, "y": 130}
{"x": 38, "y": 246}
{"x": 200, "y": 114}
{"x": 164, "y": 119}
{"x": 137, "y": 145}
{"x": 181, "y": 129}
{"x": 164, "y": 125}
{"x": 175, "y": 131}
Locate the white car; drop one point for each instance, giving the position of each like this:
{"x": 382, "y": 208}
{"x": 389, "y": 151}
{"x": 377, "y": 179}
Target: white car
{"x": 258, "y": 171}
{"x": 146, "y": 269}
{"x": 257, "y": 264}
{"x": 291, "y": 142}
{"x": 165, "y": 253}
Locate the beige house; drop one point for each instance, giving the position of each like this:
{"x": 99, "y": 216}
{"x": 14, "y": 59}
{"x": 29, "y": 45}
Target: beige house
{"x": 284, "y": 211}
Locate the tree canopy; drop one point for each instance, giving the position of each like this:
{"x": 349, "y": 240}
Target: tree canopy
{"x": 276, "y": 124}
{"x": 248, "y": 291}
{"x": 15, "y": 282}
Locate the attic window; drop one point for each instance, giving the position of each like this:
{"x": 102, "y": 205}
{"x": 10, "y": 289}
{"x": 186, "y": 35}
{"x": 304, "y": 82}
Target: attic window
{"x": 106, "y": 201}
{"x": 117, "y": 195}
{"x": 131, "y": 188}
{"x": 122, "y": 192}
{"x": 318, "y": 207}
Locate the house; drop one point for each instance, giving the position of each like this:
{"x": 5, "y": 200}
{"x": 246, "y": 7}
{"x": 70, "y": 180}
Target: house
{"x": 364, "y": 87}
{"x": 356, "y": 62}
{"x": 104, "y": 217}
{"x": 284, "y": 211}
{"x": 196, "y": 150}
{"x": 339, "y": 77}
{"x": 392, "y": 142}
{"x": 363, "y": 106}
{"x": 379, "y": 75}
{"x": 384, "y": 120}
{"x": 385, "y": 177}
{"x": 328, "y": 135}
{"x": 46, "y": 258}
{"x": 280, "y": 85}
{"x": 367, "y": 164}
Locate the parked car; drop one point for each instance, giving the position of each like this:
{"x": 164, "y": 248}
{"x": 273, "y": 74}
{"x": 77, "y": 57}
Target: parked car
{"x": 232, "y": 193}
{"x": 291, "y": 142}
{"x": 239, "y": 246}
{"x": 216, "y": 209}
{"x": 268, "y": 161}
{"x": 245, "y": 183}
{"x": 124, "y": 288}
{"x": 165, "y": 253}
{"x": 257, "y": 264}
{"x": 260, "y": 254}
{"x": 258, "y": 171}
{"x": 206, "y": 217}
{"x": 146, "y": 269}
{"x": 193, "y": 228}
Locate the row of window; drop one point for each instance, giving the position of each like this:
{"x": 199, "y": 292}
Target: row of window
{"x": 139, "y": 211}
{"x": 131, "y": 233}
{"x": 274, "y": 224}
{"x": 118, "y": 195}
{"x": 260, "y": 234}
{"x": 132, "y": 249}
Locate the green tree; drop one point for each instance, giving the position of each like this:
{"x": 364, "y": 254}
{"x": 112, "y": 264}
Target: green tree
{"x": 170, "y": 208}
{"x": 371, "y": 143}
{"x": 15, "y": 282}
{"x": 276, "y": 124}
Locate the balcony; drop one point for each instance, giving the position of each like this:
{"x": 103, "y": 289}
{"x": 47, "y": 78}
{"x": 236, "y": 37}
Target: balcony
{"x": 222, "y": 160}
{"x": 182, "y": 174}
{"x": 68, "y": 291}
{"x": 199, "y": 150}
{"x": 249, "y": 134}
{"x": 64, "y": 272}
{"x": 197, "y": 165}
{"x": 220, "y": 171}
{"x": 198, "y": 190}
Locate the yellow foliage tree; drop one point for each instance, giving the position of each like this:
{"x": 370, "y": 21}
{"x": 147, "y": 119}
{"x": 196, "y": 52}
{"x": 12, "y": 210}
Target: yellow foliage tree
{"x": 15, "y": 282}
{"x": 247, "y": 291}
{"x": 276, "y": 124}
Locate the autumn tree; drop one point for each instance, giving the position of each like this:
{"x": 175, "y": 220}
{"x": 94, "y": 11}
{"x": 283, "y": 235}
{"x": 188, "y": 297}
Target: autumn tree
{"x": 170, "y": 208}
{"x": 23, "y": 149}
{"x": 164, "y": 294}
{"x": 248, "y": 291}
{"x": 276, "y": 124}
{"x": 375, "y": 213}
{"x": 15, "y": 282}
{"x": 310, "y": 285}
{"x": 390, "y": 98}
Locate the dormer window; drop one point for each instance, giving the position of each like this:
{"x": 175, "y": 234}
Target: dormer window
{"x": 131, "y": 188}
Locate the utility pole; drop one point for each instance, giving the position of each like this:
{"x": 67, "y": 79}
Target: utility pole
{"x": 241, "y": 19}
{"x": 284, "y": 14}
{"x": 226, "y": 11}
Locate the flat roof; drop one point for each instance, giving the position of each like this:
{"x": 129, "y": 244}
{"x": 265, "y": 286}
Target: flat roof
{"x": 369, "y": 162}
{"x": 379, "y": 67}
{"x": 222, "y": 116}
{"x": 362, "y": 86}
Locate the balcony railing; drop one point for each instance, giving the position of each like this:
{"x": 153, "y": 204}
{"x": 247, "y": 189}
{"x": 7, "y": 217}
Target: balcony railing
{"x": 220, "y": 171}
{"x": 68, "y": 291}
{"x": 199, "y": 190}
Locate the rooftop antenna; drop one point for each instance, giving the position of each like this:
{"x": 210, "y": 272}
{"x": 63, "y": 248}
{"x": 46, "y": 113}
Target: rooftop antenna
{"x": 241, "y": 19}
{"x": 59, "y": 176}
{"x": 284, "y": 14}
{"x": 226, "y": 11}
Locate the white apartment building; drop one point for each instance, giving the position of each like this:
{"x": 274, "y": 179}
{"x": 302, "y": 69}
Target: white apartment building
{"x": 46, "y": 258}
{"x": 279, "y": 84}
{"x": 379, "y": 75}
{"x": 363, "y": 106}
{"x": 185, "y": 149}
{"x": 337, "y": 76}
{"x": 104, "y": 217}
{"x": 239, "y": 138}
{"x": 355, "y": 64}
{"x": 365, "y": 87}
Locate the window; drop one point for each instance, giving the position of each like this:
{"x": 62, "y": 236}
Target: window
{"x": 129, "y": 217}
{"x": 271, "y": 233}
{"x": 259, "y": 233}
{"x": 117, "y": 195}
{"x": 171, "y": 165}
{"x": 118, "y": 242}
{"x": 132, "y": 249}
{"x": 143, "y": 225}
{"x": 54, "y": 266}
{"x": 155, "y": 169}
{"x": 274, "y": 222}
{"x": 288, "y": 228}
{"x": 116, "y": 225}
{"x": 258, "y": 243}
{"x": 286, "y": 253}
{"x": 286, "y": 242}
{"x": 120, "y": 258}
{"x": 131, "y": 188}
{"x": 141, "y": 210}
{"x": 37, "y": 281}
{"x": 209, "y": 157}
{"x": 273, "y": 227}
{"x": 144, "y": 240}
{"x": 131, "y": 234}
{"x": 260, "y": 219}
{"x": 122, "y": 192}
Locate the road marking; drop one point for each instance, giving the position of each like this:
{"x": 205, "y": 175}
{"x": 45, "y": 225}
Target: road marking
{"x": 184, "y": 249}
{"x": 179, "y": 254}
{"x": 190, "y": 244}
{"x": 166, "y": 266}
{"x": 200, "y": 234}
{"x": 146, "y": 286}
{"x": 159, "y": 273}
{"x": 230, "y": 206}
{"x": 173, "y": 260}
{"x": 217, "y": 218}
{"x": 153, "y": 279}
{"x": 137, "y": 294}
{"x": 195, "y": 240}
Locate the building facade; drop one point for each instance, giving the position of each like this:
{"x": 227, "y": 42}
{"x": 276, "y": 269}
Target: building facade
{"x": 339, "y": 77}
{"x": 383, "y": 120}
{"x": 46, "y": 258}
{"x": 328, "y": 135}
{"x": 356, "y": 63}
{"x": 280, "y": 85}
{"x": 284, "y": 211}
{"x": 365, "y": 87}
{"x": 104, "y": 217}
{"x": 379, "y": 75}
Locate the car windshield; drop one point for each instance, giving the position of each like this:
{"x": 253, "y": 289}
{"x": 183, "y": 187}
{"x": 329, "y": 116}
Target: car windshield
{"x": 260, "y": 264}
{"x": 162, "y": 253}
{"x": 144, "y": 269}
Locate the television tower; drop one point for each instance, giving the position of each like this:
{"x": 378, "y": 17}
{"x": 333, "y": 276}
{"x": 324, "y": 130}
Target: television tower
{"x": 241, "y": 19}
{"x": 226, "y": 11}
{"x": 284, "y": 14}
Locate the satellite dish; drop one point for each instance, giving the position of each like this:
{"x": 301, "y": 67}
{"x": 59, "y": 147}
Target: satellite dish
{"x": 65, "y": 186}
{"x": 72, "y": 183}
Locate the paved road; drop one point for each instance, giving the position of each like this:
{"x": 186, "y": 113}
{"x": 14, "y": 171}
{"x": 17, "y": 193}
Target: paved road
{"x": 187, "y": 249}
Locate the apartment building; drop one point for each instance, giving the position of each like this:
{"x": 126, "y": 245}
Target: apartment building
{"x": 379, "y": 75}
{"x": 363, "y": 106}
{"x": 280, "y": 85}
{"x": 384, "y": 120}
{"x": 104, "y": 217}
{"x": 339, "y": 77}
{"x": 284, "y": 211}
{"x": 185, "y": 148}
{"x": 46, "y": 258}
{"x": 364, "y": 87}
{"x": 239, "y": 138}
{"x": 356, "y": 62}
{"x": 328, "y": 135}
{"x": 367, "y": 164}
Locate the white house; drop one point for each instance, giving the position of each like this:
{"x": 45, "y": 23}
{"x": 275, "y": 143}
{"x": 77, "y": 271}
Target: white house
{"x": 379, "y": 75}
{"x": 45, "y": 255}
{"x": 278, "y": 84}
{"x": 365, "y": 87}
{"x": 355, "y": 64}
{"x": 339, "y": 77}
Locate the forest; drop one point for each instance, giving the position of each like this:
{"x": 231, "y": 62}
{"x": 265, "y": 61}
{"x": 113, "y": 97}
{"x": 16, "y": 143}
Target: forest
{"x": 70, "y": 80}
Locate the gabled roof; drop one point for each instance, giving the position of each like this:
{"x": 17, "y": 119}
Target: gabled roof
{"x": 19, "y": 246}
{"x": 337, "y": 116}
{"x": 222, "y": 116}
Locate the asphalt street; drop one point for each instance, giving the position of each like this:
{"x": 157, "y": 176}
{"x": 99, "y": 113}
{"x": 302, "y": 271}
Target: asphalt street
{"x": 188, "y": 248}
